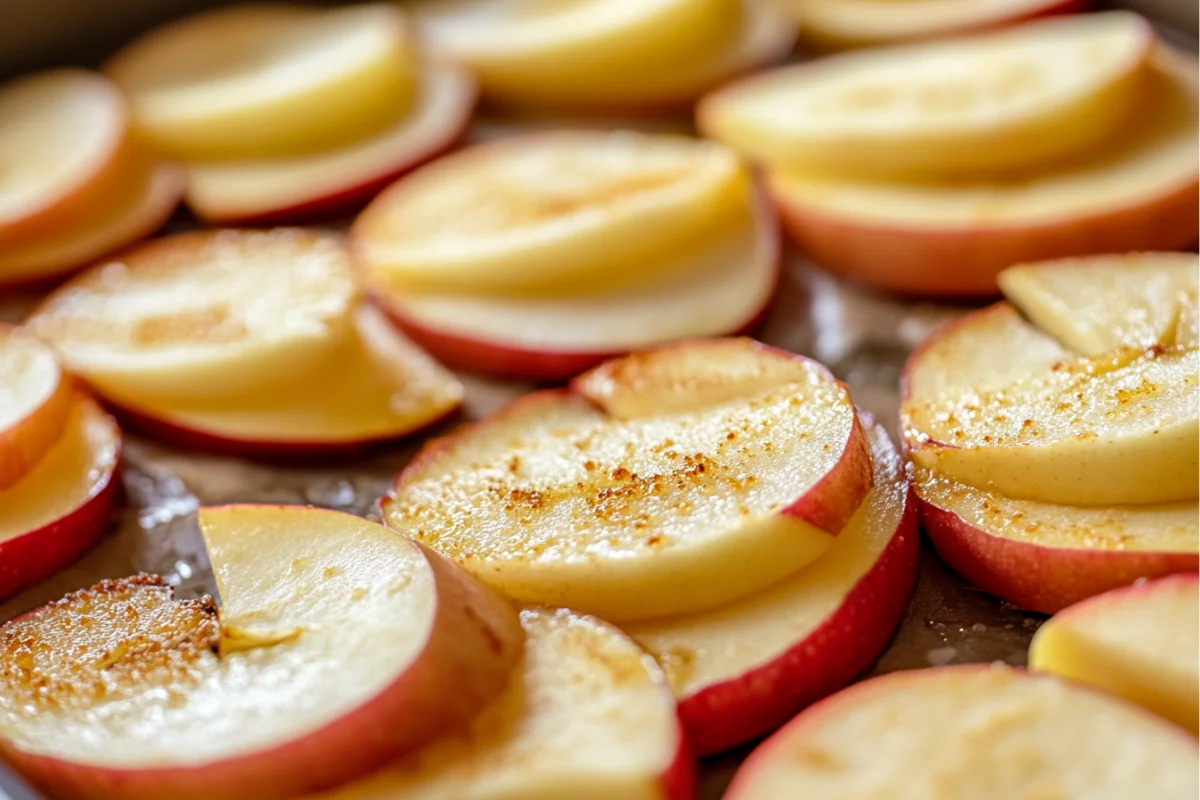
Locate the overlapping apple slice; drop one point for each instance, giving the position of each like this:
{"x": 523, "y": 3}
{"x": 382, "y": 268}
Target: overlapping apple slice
{"x": 606, "y": 55}
{"x": 321, "y": 665}
{"x": 244, "y": 341}
{"x": 724, "y": 478}
{"x": 984, "y": 732}
{"x": 35, "y": 401}
{"x": 745, "y": 668}
{"x": 1140, "y": 643}
{"x": 586, "y": 716}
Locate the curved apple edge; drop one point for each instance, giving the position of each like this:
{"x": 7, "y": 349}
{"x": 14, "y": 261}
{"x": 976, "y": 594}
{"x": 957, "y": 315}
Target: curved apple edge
{"x": 367, "y": 735}
{"x": 39, "y": 553}
{"x": 679, "y": 781}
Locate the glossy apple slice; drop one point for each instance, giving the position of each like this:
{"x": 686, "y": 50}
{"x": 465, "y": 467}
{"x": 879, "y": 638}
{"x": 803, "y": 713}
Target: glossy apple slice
{"x": 204, "y": 314}
{"x": 745, "y": 668}
{"x": 1007, "y": 100}
{"x": 320, "y": 665}
{"x": 291, "y": 187}
{"x": 952, "y": 238}
{"x": 984, "y": 732}
{"x": 35, "y": 401}
{"x": 62, "y": 505}
{"x": 261, "y": 79}
{"x": 1140, "y": 643}
{"x": 556, "y": 500}
{"x": 565, "y": 211}
{"x": 587, "y": 716}
{"x": 723, "y": 284}
{"x": 374, "y": 388}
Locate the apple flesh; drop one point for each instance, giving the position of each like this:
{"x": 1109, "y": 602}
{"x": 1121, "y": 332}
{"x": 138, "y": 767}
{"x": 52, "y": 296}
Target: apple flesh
{"x": 984, "y": 732}
{"x": 554, "y": 500}
{"x": 1139, "y": 643}
{"x": 319, "y": 667}
{"x": 586, "y": 716}
{"x": 35, "y": 401}
{"x": 741, "y": 670}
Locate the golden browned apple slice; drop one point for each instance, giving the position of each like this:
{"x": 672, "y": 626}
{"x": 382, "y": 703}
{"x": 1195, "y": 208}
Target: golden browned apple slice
{"x": 340, "y": 645}
{"x": 984, "y": 732}
{"x": 636, "y": 513}
{"x": 35, "y": 401}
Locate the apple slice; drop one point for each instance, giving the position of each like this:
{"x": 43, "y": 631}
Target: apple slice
{"x": 373, "y": 389}
{"x": 557, "y": 500}
{"x": 1013, "y": 99}
{"x": 565, "y": 210}
{"x": 292, "y": 187}
{"x": 35, "y": 401}
{"x": 204, "y": 314}
{"x": 320, "y": 666}
{"x": 262, "y": 79}
{"x": 836, "y": 24}
{"x": 951, "y": 238}
{"x": 745, "y": 668}
{"x": 63, "y": 504}
{"x": 984, "y": 732}
{"x": 722, "y": 285}
{"x": 588, "y": 716}
{"x": 605, "y": 55}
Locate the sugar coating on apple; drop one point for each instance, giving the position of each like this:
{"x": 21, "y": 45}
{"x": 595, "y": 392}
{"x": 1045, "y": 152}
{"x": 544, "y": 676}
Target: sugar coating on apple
{"x": 552, "y": 500}
{"x": 1140, "y": 643}
{"x": 1007, "y": 100}
{"x": 262, "y": 79}
{"x": 320, "y": 666}
{"x": 63, "y": 504}
{"x": 741, "y": 670}
{"x": 203, "y": 314}
{"x": 35, "y": 401}
{"x": 587, "y": 715}
{"x": 990, "y": 733}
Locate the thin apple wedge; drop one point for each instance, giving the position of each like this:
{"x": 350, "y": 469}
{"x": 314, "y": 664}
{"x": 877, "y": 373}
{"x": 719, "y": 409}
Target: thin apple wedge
{"x": 60, "y": 507}
{"x": 554, "y": 500}
{"x": 984, "y": 732}
{"x": 743, "y": 669}
{"x": 586, "y": 716}
{"x": 35, "y": 402}
{"x": 320, "y": 666}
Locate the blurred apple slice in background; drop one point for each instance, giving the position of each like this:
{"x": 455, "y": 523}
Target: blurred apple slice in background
{"x": 35, "y": 402}
{"x": 552, "y": 500}
{"x": 1141, "y": 643}
{"x": 320, "y": 666}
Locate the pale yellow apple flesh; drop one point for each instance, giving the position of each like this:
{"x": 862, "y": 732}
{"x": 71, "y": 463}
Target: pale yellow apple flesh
{"x": 984, "y": 732}
{"x": 1140, "y": 643}
{"x": 586, "y": 716}
{"x": 554, "y": 501}
{"x": 35, "y": 402}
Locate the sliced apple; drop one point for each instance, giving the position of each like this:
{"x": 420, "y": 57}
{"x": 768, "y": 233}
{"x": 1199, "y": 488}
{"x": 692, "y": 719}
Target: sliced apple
{"x": 605, "y": 54}
{"x": 951, "y": 238}
{"x": 1139, "y": 643}
{"x": 587, "y": 716}
{"x": 35, "y": 402}
{"x": 62, "y": 505}
{"x": 1008, "y": 100}
{"x": 562, "y": 210}
{"x": 723, "y": 284}
{"x": 320, "y": 666}
{"x": 745, "y": 668}
{"x": 554, "y": 500}
{"x": 261, "y": 79}
{"x": 984, "y": 732}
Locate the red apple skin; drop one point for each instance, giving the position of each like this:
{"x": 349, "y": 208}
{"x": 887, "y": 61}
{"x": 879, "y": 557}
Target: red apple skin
{"x": 679, "y": 780}
{"x": 964, "y": 262}
{"x": 39, "y": 553}
{"x": 398, "y": 719}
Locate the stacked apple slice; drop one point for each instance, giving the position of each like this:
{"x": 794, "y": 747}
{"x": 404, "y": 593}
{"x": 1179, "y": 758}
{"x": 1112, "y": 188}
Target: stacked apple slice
{"x": 605, "y": 55}
{"x": 75, "y": 183}
{"x": 58, "y": 459}
{"x": 926, "y": 169}
{"x": 284, "y": 111}
{"x": 250, "y": 342}
{"x": 1056, "y": 458}
{"x": 721, "y": 500}
{"x": 540, "y": 255}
